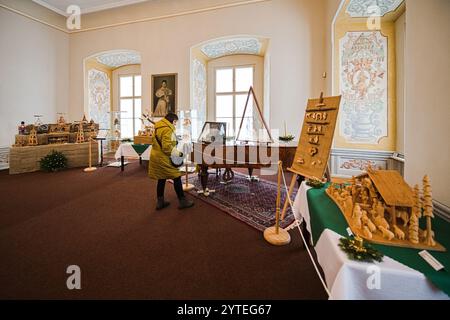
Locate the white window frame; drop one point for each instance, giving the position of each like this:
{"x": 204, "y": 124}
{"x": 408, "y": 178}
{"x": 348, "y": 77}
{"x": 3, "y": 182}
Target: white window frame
{"x": 132, "y": 98}
{"x": 234, "y": 93}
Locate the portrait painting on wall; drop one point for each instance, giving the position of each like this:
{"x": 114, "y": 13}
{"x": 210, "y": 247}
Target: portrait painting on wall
{"x": 164, "y": 94}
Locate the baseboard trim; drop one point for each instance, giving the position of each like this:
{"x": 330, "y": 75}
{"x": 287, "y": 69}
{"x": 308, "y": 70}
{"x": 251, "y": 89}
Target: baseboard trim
{"x": 441, "y": 210}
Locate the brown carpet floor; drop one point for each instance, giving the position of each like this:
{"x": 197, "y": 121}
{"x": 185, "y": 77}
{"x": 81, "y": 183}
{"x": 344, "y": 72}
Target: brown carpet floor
{"x": 105, "y": 223}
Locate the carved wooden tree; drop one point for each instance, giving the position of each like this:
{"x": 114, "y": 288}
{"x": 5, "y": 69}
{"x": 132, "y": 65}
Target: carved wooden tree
{"x": 428, "y": 210}
{"x": 415, "y": 215}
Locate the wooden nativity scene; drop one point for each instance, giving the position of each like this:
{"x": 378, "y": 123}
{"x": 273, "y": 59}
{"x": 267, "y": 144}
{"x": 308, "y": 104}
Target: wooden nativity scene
{"x": 381, "y": 207}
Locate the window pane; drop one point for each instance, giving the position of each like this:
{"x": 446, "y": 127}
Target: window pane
{"x": 224, "y": 80}
{"x": 224, "y": 106}
{"x": 137, "y": 86}
{"x": 137, "y": 108}
{"x": 244, "y": 78}
{"x": 137, "y": 126}
{"x": 241, "y": 99}
{"x": 126, "y": 128}
{"x": 126, "y": 86}
{"x": 229, "y": 121}
{"x": 126, "y": 108}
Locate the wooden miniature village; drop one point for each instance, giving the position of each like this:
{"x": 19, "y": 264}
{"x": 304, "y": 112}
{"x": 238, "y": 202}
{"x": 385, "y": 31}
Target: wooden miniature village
{"x": 381, "y": 208}
{"x": 59, "y": 133}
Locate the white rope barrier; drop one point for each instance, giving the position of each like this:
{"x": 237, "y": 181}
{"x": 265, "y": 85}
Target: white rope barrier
{"x": 303, "y": 238}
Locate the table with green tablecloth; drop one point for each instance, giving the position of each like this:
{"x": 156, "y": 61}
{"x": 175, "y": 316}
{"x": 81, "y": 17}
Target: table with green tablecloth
{"x": 403, "y": 274}
{"x": 141, "y": 151}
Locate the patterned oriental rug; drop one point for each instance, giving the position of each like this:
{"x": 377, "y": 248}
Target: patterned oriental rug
{"x": 250, "y": 202}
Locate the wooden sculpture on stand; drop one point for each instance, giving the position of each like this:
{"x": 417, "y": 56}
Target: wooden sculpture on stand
{"x": 386, "y": 210}
{"x": 276, "y": 235}
{"x": 80, "y": 133}
{"x": 90, "y": 168}
{"x": 32, "y": 139}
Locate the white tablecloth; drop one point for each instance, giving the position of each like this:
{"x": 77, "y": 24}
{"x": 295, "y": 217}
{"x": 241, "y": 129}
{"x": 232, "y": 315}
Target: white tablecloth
{"x": 348, "y": 279}
{"x": 127, "y": 150}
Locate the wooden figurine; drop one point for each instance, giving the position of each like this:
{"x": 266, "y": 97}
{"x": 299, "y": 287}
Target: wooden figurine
{"x": 399, "y": 234}
{"x": 32, "y": 139}
{"x": 428, "y": 210}
{"x": 357, "y": 214}
{"x": 367, "y": 233}
{"x": 386, "y": 233}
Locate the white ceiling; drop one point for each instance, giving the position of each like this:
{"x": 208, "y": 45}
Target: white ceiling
{"x": 86, "y": 6}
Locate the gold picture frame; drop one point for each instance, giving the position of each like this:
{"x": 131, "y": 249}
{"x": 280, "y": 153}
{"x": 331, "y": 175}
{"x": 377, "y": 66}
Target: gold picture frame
{"x": 164, "y": 94}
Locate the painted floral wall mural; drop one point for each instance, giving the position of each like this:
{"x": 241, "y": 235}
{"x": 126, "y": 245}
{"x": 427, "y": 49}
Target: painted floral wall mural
{"x": 99, "y": 98}
{"x": 364, "y": 83}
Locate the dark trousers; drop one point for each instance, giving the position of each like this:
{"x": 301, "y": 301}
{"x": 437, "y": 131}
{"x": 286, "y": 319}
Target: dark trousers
{"x": 177, "y": 184}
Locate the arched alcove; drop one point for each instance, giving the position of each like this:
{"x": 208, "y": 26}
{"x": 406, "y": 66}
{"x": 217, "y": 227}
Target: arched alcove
{"x": 106, "y": 100}
{"x": 244, "y": 53}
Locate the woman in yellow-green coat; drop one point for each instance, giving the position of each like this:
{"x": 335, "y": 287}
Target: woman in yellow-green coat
{"x": 160, "y": 167}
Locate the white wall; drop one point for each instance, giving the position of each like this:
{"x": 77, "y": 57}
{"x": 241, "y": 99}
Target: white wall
{"x": 427, "y": 115}
{"x": 294, "y": 27}
{"x": 34, "y": 60}
{"x": 400, "y": 37}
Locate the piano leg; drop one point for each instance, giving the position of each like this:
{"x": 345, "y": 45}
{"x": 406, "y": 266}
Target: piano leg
{"x": 204, "y": 177}
{"x": 250, "y": 175}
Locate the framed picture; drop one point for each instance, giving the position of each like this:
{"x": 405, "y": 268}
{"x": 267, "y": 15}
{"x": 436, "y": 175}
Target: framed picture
{"x": 164, "y": 94}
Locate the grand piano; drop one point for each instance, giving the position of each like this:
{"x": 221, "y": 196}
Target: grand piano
{"x": 234, "y": 155}
{"x": 253, "y": 148}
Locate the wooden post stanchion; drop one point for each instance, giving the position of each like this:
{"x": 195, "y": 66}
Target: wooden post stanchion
{"x": 276, "y": 235}
{"x": 187, "y": 186}
{"x": 90, "y": 168}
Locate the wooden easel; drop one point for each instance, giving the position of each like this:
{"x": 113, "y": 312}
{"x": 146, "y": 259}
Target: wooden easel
{"x": 313, "y": 151}
{"x": 252, "y": 92}
{"x": 299, "y": 177}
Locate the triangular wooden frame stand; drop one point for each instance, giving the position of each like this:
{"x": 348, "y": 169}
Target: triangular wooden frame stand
{"x": 252, "y": 92}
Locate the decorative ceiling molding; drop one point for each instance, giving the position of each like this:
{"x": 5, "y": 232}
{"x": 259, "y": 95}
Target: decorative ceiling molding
{"x": 368, "y": 8}
{"x": 60, "y": 6}
{"x": 226, "y": 47}
{"x": 119, "y": 59}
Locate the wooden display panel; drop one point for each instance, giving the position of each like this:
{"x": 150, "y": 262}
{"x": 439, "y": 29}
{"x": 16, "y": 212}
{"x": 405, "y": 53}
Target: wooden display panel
{"x": 313, "y": 151}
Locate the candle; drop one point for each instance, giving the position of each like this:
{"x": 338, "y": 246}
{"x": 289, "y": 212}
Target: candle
{"x": 285, "y": 129}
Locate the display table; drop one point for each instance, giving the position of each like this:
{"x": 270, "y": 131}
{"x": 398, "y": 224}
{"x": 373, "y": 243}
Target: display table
{"x": 27, "y": 159}
{"x": 141, "y": 151}
{"x": 403, "y": 273}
